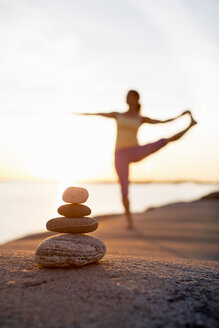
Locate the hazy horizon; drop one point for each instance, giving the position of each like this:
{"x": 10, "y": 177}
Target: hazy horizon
{"x": 76, "y": 182}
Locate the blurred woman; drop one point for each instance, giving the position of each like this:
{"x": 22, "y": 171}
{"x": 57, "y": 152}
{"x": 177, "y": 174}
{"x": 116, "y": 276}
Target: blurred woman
{"x": 127, "y": 149}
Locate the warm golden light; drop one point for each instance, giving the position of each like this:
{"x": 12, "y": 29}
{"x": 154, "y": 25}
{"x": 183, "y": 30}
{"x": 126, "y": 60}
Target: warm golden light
{"x": 74, "y": 147}
{"x": 63, "y": 148}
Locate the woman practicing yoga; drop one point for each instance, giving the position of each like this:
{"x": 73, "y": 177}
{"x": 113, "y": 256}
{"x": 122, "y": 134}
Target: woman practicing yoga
{"x": 127, "y": 149}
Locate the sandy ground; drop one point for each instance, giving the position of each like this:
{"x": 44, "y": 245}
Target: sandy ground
{"x": 164, "y": 273}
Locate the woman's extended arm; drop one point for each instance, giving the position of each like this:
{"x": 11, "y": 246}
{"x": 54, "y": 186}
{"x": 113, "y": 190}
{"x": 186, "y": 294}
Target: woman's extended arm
{"x": 153, "y": 121}
{"x": 110, "y": 115}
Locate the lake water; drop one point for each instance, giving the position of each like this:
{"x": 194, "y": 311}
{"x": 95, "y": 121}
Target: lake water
{"x": 25, "y": 207}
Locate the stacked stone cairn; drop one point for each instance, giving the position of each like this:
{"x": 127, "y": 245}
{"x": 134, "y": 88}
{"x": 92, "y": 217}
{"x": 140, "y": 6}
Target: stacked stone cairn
{"x": 72, "y": 247}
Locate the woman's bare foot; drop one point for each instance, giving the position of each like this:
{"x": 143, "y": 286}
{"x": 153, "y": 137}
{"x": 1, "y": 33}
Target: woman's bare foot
{"x": 193, "y": 122}
{"x": 129, "y": 226}
{"x": 129, "y": 222}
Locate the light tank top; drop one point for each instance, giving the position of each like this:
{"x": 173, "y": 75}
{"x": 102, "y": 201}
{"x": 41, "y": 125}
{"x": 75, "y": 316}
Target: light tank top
{"x": 127, "y": 128}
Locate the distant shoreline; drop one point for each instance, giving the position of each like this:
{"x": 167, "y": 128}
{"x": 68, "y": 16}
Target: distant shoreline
{"x": 113, "y": 182}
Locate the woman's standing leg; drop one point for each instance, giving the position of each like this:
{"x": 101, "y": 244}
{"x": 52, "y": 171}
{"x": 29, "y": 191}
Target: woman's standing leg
{"x": 122, "y": 169}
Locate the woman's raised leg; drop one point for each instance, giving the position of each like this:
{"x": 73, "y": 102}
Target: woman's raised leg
{"x": 180, "y": 134}
{"x": 140, "y": 152}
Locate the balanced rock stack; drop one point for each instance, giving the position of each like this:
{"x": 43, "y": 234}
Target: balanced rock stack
{"x": 71, "y": 248}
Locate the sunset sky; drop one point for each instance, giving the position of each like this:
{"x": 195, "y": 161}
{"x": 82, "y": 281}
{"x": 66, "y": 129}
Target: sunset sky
{"x": 59, "y": 57}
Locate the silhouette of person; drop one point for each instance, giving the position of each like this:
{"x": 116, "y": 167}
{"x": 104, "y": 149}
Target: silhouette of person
{"x": 127, "y": 149}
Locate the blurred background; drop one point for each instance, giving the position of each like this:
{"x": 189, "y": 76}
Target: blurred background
{"x": 59, "y": 57}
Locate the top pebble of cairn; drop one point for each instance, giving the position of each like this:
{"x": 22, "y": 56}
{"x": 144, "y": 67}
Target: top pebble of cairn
{"x": 75, "y": 195}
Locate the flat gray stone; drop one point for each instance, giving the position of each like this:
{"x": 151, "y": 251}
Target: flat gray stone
{"x": 72, "y": 225}
{"x": 69, "y": 250}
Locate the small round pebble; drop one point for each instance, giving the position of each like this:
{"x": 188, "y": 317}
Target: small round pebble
{"x": 75, "y": 195}
{"x": 72, "y": 225}
{"x": 74, "y": 210}
{"x": 69, "y": 250}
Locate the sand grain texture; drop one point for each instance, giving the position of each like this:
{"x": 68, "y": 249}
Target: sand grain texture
{"x": 162, "y": 274}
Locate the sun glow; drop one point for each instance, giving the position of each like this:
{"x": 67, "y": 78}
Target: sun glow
{"x": 62, "y": 148}
{"x": 69, "y": 148}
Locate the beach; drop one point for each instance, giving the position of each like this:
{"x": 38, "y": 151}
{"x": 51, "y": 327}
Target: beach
{"x": 108, "y": 117}
{"x": 164, "y": 273}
